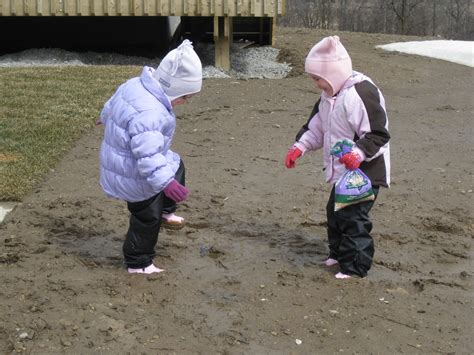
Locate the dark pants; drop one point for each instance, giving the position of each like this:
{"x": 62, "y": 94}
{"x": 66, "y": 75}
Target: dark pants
{"x": 144, "y": 227}
{"x": 349, "y": 237}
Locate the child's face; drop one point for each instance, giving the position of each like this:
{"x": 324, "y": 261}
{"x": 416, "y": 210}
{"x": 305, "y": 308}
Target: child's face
{"x": 181, "y": 100}
{"x": 322, "y": 84}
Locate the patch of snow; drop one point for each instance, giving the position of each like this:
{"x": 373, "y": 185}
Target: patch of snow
{"x": 461, "y": 52}
{"x": 5, "y": 207}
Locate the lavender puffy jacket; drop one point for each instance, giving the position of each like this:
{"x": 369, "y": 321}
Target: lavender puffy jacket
{"x": 136, "y": 161}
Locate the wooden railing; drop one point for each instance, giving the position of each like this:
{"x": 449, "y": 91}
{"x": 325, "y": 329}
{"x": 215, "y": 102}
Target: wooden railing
{"x": 232, "y": 8}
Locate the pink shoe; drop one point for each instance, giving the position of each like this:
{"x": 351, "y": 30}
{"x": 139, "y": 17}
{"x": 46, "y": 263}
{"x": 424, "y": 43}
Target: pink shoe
{"x": 145, "y": 270}
{"x": 340, "y": 275}
{"x": 330, "y": 262}
{"x": 172, "y": 221}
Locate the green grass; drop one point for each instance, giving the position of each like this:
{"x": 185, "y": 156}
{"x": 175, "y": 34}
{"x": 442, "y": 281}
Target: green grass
{"x": 43, "y": 111}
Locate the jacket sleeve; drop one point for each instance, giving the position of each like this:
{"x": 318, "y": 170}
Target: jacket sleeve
{"x": 313, "y": 138}
{"x": 310, "y": 136}
{"x": 105, "y": 113}
{"x": 147, "y": 145}
{"x": 368, "y": 118}
{"x": 108, "y": 106}
{"x": 306, "y": 125}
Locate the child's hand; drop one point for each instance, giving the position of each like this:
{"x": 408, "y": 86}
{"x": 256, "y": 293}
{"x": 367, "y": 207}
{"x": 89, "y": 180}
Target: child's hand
{"x": 175, "y": 191}
{"x": 293, "y": 154}
{"x": 351, "y": 160}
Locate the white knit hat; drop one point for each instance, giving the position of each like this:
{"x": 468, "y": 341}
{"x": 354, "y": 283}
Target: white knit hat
{"x": 180, "y": 72}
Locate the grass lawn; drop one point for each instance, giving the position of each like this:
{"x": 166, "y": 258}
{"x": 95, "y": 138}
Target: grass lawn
{"x": 43, "y": 111}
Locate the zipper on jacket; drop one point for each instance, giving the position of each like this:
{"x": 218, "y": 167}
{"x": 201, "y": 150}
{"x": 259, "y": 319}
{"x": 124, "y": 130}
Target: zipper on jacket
{"x": 332, "y": 103}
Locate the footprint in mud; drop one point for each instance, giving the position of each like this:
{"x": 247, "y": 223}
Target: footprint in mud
{"x": 235, "y": 171}
{"x": 393, "y": 237}
{"x": 198, "y": 225}
{"x": 78, "y": 234}
{"x": 456, "y": 254}
{"x": 440, "y": 224}
{"x": 248, "y": 229}
{"x": 303, "y": 249}
{"x": 396, "y": 266}
{"x": 211, "y": 251}
{"x": 9, "y": 258}
{"x": 421, "y": 284}
{"x": 92, "y": 251}
{"x": 214, "y": 253}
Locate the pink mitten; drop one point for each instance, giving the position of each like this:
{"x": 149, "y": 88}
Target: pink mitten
{"x": 351, "y": 160}
{"x": 290, "y": 159}
{"x": 175, "y": 191}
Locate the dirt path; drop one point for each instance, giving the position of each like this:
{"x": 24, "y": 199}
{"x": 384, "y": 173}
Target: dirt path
{"x": 244, "y": 276}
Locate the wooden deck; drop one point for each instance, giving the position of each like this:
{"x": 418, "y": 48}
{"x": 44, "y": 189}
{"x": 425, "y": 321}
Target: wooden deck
{"x": 222, "y": 11}
{"x": 256, "y": 8}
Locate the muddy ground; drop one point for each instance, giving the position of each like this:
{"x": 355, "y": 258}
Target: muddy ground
{"x": 245, "y": 275}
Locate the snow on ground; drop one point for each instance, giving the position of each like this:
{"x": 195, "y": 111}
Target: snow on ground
{"x": 5, "y": 208}
{"x": 461, "y": 52}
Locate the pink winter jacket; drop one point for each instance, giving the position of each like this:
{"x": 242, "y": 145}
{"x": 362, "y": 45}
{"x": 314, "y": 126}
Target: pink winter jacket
{"x": 357, "y": 113}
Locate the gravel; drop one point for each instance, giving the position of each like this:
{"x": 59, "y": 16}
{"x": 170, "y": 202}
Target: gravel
{"x": 246, "y": 62}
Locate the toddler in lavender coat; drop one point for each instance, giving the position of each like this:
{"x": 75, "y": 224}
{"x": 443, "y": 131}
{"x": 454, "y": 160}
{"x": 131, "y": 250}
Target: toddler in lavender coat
{"x": 137, "y": 164}
{"x": 350, "y": 108}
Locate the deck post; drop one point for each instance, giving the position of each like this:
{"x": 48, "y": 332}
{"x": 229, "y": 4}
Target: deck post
{"x": 222, "y": 41}
{"x": 273, "y": 31}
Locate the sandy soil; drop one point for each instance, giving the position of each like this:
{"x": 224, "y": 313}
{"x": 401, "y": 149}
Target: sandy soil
{"x": 245, "y": 275}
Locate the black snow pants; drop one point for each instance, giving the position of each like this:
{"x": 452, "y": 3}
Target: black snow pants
{"x": 349, "y": 237}
{"x": 144, "y": 227}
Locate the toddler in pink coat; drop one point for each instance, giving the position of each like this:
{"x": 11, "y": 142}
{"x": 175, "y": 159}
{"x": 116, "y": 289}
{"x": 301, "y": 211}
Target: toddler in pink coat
{"x": 350, "y": 108}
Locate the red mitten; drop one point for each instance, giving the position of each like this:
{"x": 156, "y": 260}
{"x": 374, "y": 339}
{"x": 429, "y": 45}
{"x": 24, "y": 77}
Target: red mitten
{"x": 351, "y": 160}
{"x": 293, "y": 154}
{"x": 175, "y": 191}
